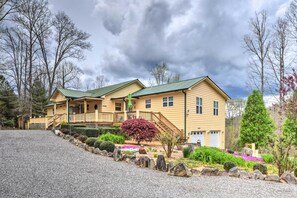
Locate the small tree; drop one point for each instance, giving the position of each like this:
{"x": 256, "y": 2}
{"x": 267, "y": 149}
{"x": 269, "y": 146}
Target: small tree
{"x": 256, "y": 124}
{"x": 139, "y": 129}
{"x": 168, "y": 141}
{"x": 39, "y": 99}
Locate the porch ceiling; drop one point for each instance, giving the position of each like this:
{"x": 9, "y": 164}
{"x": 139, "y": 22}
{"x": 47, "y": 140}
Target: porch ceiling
{"x": 88, "y": 99}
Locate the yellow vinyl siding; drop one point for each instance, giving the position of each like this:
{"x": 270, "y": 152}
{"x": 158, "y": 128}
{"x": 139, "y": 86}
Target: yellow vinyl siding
{"x": 108, "y": 105}
{"x": 58, "y": 97}
{"x": 206, "y": 121}
{"x": 175, "y": 113}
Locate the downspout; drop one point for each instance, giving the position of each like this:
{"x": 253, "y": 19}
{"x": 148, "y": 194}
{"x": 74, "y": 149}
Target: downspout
{"x": 185, "y": 114}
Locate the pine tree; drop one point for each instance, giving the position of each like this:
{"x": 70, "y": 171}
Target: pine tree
{"x": 39, "y": 99}
{"x": 256, "y": 123}
{"x": 8, "y": 102}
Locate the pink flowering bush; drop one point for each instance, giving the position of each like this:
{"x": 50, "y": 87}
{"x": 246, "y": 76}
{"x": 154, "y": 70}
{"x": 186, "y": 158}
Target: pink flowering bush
{"x": 139, "y": 129}
{"x": 249, "y": 158}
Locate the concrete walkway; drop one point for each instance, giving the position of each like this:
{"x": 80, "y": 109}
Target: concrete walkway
{"x": 39, "y": 164}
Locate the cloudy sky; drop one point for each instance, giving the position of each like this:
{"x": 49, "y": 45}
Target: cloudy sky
{"x": 195, "y": 38}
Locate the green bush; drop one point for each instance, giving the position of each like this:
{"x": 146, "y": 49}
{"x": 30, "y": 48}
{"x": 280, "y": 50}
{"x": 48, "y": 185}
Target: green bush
{"x": 295, "y": 172}
{"x": 228, "y": 166}
{"x": 82, "y": 138}
{"x": 262, "y": 168}
{"x": 215, "y": 155}
{"x": 186, "y": 152}
{"x": 112, "y": 130}
{"x": 90, "y": 132}
{"x": 117, "y": 139}
{"x": 268, "y": 158}
{"x": 90, "y": 141}
{"x": 67, "y": 126}
{"x": 230, "y": 151}
{"x": 108, "y": 146}
{"x": 97, "y": 143}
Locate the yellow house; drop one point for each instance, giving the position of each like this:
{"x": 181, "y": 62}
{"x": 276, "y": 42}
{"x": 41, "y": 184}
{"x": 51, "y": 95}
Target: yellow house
{"x": 193, "y": 109}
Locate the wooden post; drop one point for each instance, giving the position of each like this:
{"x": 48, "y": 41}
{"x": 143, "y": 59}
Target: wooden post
{"x": 125, "y": 112}
{"x": 74, "y": 119}
{"x": 96, "y": 116}
{"x": 137, "y": 113}
{"x": 46, "y": 122}
{"x": 55, "y": 108}
{"x": 85, "y": 110}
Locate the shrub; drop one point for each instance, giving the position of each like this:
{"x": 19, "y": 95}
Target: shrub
{"x": 90, "y": 132}
{"x": 295, "y": 172}
{"x": 97, "y": 143}
{"x": 82, "y": 138}
{"x": 108, "y": 146}
{"x": 186, "y": 152}
{"x": 268, "y": 158}
{"x": 90, "y": 141}
{"x": 117, "y": 139}
{"x": 262, "y": 168}
{"x": 228, "y": 166}
{"x": 230, "y": 151}
{"x": 65, "y": 131}
{"x": 112, "y": 130}
{"x": 168, "y": 141}
{"x": 215, "y": 155}
{"x": 67, "y": 126}
{"x": 139, "y": 129}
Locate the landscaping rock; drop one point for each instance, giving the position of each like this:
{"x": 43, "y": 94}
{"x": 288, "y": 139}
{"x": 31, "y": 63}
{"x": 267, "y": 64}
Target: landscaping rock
{"x": 247, "y": 151}
{"x": 86, "y": 147}
{"x": 91, "y": 149}
{"x": 104, "y": 153}
{"x": 80, "y": 145}
{"x": 170, "y": 165}
{"x": 97, "y": 151}
{"x": 210, "y": 172}
{"x": 243, "y": 175}
{"x": 257, "y": 175}
{"x": 152, "y": 164}
{"x": 143, "y": 161}
{"x": 57, "y": 132}
{"x": 274, "y": 178}
{"x": 289, "y": 178}
{"x": 196, "y": 172}
{"x": 233, "y": 172}
{"x": 71, "y": 139}
{"x": 223, "y": 174}
{"x": 117, "y": 154}
{"x": 67, "y": 137}
{"x": 180, "y": 170}
{"x": 161, "y": 163}
{"x": 142, "y": 151}
{"x": 110, "y": 154}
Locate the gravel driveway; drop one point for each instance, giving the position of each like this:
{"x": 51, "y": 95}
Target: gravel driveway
{"x": 39, "y": 164}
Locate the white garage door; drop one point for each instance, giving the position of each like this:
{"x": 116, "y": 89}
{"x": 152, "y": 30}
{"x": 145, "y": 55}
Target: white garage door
{"x": 197, "y": 135}
{"x": 214, "y": 138}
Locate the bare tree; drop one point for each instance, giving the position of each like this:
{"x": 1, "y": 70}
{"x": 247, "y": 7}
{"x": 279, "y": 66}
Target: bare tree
{"x": 160, "y": 73}
{"x": 68, "y": 74}
{"x": 69, "y": 43}
{"x": 257, "y": 45}
{"x": 7, "y": 7}
{"x": 101, "y": 81}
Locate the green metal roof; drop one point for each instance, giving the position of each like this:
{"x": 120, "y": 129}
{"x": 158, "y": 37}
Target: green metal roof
{"x": 181, "y": 85}
{"x": 96, "y": 93}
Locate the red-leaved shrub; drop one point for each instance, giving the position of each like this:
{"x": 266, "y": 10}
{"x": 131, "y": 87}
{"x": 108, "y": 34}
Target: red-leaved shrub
{"x": 139, "y": 129}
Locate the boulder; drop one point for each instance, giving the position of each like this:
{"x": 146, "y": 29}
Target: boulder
{"x": 289, "y": 178}
{"x": 143, "y": 161}
{"x": 233, "y": 172}
{"x": 210, "y": 172}
{"x": 152, "y": 164}
{"x": 247, "y": 151}
{"x": 180, "y": 170}
{"x": 161, "y": 163}
{"x": 97, "y": 151}
{"x": 67, "y": 137}
{"x": 80, "y": 145}
{"x": 86, "y": 147}
{"x": 91, "y": 149}
{"x": 257, "y": 175}
{"x": 117, "y": 154}
{"x": 196, "y": 172}
{"x": 142, "y": 151}
{"x": 243, "y": 175}
{"x": 170, "y": 165}
{"x": 57, "y": 132}
{"x": 104, "y": 153}
{"x": 71, "y": 139}
{"x": 274, "y": 178}
{"x": 223, "y": 173}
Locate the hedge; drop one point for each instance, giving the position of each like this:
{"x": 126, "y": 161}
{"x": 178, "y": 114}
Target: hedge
{"x": 111, "y": 130}
{"x": 67, "y": 126}
{"x": 90, "y": 132}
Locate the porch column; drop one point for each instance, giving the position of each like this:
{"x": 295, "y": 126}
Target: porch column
{"x": 96, "y": 115}
{"x": 67, "y": 111}
{"x": 46, "y": 122}
{"x": 55, "y": 108}
{"x": 125, "y": 112}
{"x": 137, "y": 113}
{"x": 85, "y": 109}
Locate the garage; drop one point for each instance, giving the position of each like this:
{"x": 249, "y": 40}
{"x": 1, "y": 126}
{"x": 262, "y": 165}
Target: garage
{"x": 197, "y": 135}
{"x": 214, "y": 139}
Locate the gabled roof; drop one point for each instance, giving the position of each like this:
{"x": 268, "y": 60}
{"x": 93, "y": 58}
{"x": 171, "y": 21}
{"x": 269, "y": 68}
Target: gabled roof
{"x": 96, "y": 93}
{"x": 177, "y": 86}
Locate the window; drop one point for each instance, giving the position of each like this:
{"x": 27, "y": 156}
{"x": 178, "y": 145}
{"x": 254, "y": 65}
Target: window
{"x": 148, "y": 103}
{"x": 88, "y": 107}
{"x": 198, "y": 105}
{"x": 95, "y": 107}
{"x": 215, "y": 108}
{"x": 168, "y": 101}
{"x": 118, "y": 106}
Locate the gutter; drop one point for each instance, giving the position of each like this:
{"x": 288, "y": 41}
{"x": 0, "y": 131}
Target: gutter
{"x": 185, "y": 113}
